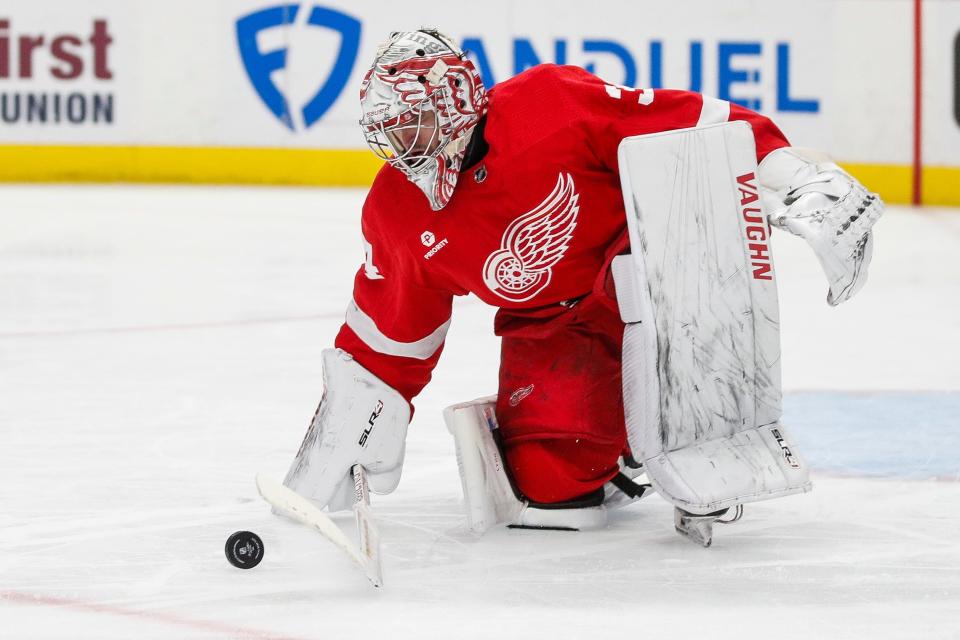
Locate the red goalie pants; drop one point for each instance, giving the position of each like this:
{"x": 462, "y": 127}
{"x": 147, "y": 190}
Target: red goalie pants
{"x": 560, "y": 403}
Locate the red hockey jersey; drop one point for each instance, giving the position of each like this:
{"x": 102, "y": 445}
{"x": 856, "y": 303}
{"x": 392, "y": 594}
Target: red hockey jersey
{"x": 529, "y": 226}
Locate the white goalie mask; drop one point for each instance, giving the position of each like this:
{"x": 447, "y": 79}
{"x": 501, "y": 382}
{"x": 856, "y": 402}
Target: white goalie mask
{"x": 421, "y": 100}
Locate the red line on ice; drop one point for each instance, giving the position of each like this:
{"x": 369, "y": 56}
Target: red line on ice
{"x": 168, "y": 327}
{"x": 155, "y": 616}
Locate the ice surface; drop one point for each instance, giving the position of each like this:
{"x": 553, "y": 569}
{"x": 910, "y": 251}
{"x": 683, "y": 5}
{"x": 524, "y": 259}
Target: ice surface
{"x": 158, "y": 346}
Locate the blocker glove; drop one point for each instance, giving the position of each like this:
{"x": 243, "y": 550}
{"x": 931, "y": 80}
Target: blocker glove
{"x": 360, "y": 420}
{"x": 807, "y": 194}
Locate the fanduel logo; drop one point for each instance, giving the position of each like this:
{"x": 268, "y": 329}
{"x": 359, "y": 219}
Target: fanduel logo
{"x": 261, "y": 65}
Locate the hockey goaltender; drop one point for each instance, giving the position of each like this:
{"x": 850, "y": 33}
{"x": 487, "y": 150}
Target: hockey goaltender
{"x": 623, "y": 234}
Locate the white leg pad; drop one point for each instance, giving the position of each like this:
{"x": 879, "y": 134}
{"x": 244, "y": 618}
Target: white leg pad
{"x": 488, "y": 496}
{"x": 701, "y": 350}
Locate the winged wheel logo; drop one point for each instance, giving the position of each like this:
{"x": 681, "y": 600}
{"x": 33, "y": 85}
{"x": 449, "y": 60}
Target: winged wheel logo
{"x": 533, "y": 244}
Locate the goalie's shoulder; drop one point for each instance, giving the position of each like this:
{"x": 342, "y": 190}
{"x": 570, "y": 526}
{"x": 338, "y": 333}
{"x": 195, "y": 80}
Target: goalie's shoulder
{"x": 545, "y": 102}
{"x": 545, "y": 83}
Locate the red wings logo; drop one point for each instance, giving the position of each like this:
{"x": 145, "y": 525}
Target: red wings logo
{"x": 533, "y": 244}
{"x": 405, "y": 79}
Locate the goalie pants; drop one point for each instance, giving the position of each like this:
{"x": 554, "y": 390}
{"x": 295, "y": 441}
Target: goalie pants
{"x": 560, "y": 402}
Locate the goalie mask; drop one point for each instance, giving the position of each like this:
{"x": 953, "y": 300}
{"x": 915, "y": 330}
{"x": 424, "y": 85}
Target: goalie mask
{"x": 421, "y": 101}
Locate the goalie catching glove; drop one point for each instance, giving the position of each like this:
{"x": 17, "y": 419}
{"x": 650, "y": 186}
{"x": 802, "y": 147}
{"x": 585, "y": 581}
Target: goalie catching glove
{"x": 811, "y": 197}
{"x": 360, "y": 420}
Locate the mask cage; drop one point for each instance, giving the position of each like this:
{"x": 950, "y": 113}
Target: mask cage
{"x": 391, "y": 141}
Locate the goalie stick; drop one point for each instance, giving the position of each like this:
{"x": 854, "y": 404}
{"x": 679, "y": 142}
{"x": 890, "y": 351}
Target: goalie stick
{"x": 291, "y": 504}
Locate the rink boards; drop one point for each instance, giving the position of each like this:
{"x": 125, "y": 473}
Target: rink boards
{"x": 254, "y": 91}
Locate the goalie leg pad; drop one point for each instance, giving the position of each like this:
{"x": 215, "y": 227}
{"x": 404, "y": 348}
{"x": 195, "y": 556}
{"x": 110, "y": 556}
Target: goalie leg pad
{"x": 701, "y": 349}
{"x": 488, "y": 494}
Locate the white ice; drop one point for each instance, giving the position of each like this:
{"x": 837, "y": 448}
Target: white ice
{"x": 160, "y": 345}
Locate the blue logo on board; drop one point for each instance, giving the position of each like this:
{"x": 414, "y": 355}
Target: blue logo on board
{"x": 261, "y": 64}
{"x": 743, "y": 73}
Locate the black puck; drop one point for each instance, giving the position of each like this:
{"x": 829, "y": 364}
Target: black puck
{"x": 244, "y": 549}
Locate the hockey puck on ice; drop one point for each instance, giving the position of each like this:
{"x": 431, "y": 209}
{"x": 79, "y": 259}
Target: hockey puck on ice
{"x": 244, "y": 549}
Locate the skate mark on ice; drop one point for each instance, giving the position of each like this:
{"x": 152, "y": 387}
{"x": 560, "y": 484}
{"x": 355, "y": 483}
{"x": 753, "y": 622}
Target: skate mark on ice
{"x": 437, "y": 535}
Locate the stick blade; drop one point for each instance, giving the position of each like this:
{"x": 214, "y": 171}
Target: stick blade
{"x": 293, "y": 505}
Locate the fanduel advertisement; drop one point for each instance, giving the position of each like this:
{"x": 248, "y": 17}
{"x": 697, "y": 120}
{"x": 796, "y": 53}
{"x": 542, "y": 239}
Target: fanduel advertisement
{"x": 739, "y": 75}
{"x": 261, "y": 66}
{"x": 285, "y": 74}
{"x": 749, "y": 72}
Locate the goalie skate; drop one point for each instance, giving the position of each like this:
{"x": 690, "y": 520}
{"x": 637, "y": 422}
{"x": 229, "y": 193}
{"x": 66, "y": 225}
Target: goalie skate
{"x": 699, "y": 528}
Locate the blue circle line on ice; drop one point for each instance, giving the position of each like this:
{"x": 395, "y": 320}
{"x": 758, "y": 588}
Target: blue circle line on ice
{"x": 898, "y": 434}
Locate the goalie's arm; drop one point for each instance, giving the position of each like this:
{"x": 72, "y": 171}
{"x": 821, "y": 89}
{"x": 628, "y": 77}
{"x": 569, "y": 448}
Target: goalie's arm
{"x": 397, "y": 321}
{"x": 610, "y": 113}
{"x": 391, "y": 339}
